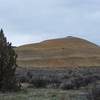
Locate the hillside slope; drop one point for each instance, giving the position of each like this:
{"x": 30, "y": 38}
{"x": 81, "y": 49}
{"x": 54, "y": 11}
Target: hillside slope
{"x": 64, "y": 52}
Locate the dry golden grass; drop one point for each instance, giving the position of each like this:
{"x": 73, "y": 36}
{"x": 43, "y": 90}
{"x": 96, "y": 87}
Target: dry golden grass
{"x": 64, "y": 52}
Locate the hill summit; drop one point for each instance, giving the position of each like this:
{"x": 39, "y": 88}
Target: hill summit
{"x": 58, "y": 53}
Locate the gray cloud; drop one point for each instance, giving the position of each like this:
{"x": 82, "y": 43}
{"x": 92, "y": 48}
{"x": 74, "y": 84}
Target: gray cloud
{"x": 26, "y": 21}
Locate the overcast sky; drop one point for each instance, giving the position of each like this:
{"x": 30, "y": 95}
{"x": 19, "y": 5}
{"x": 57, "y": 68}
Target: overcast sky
{"x": 28, "y": 21}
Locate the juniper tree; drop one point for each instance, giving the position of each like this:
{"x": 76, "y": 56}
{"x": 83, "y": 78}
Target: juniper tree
{"x": 7, "y": 65}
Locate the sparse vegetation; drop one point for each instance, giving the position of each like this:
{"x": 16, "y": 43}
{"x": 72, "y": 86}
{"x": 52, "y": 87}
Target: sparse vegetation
{"x": 75, "y": 84}
{"x": 63, "y": 79}
{"x": 58, "y": 53}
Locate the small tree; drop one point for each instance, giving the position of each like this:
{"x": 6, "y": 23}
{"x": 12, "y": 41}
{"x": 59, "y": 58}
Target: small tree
{"x": 7, "y": 65}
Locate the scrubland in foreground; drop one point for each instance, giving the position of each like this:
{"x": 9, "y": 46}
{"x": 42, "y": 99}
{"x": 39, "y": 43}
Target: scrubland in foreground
{"x": 59, "y": 84}
{"x": 63, "y": 78}
{"x": 65, "y": 84}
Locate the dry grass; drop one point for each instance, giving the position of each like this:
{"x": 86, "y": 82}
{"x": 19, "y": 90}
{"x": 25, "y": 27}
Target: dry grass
{"x": 65, "y": 52}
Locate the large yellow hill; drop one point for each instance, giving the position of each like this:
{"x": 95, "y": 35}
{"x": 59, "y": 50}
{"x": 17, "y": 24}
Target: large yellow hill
{"x": 59, "y": 53}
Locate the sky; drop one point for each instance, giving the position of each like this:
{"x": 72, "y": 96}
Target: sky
{"x": 30, "y": 21}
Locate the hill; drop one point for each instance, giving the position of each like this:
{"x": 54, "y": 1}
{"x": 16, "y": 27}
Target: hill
{"x": 58, "y": 53}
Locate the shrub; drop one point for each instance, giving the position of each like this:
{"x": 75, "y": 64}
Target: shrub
{"x": 39, "y": 82}
{"x": 67, "y": 85}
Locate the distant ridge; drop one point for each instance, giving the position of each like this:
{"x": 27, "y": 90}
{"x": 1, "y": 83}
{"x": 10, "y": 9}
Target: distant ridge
{"x": 70, "y": 41}
{"x": 63, "y": 52}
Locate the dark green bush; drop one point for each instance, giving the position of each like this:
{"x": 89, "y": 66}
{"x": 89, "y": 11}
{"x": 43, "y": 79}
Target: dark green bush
{"x": 39, "y": 82}
{"x": 8, "y": 65}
